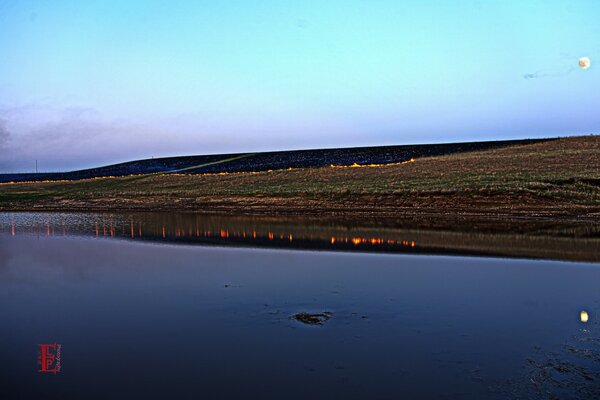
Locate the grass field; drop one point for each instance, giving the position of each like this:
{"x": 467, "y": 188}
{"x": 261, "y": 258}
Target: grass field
{"x": 559, "y": 178}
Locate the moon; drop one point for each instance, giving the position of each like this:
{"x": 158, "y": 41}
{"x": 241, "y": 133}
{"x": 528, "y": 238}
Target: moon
{"x": 584, "y": 63}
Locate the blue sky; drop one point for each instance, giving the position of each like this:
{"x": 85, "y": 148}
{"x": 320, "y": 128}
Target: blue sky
{"x": 84, "y": 83}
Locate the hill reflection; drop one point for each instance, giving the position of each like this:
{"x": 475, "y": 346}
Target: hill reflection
{"x": 576, "y": 242}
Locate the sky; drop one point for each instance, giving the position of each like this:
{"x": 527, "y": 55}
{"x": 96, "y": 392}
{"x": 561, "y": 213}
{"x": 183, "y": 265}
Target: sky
{"x": 87, "y": 83}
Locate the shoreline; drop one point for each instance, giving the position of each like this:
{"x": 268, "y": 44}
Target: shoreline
{"x": 430, "y": 220}
{"x": 319, "y": 214}
{"x": 557, "y": 179}
{"x": 449, "y": 206}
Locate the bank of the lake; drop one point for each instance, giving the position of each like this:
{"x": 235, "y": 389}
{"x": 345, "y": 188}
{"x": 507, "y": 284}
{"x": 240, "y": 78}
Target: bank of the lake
{"x": 557, "y": 179}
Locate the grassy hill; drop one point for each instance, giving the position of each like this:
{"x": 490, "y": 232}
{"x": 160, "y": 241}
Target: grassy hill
{"x": 554, "y": 178}
{"x": 256, "y": 162}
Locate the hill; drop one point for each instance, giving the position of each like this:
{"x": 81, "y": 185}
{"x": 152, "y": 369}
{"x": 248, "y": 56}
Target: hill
{"x": 255, "y": 162}
{"x": 550, "y": 179}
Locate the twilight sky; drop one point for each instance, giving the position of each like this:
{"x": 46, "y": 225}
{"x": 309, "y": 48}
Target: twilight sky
{"x": 86, "y": 83}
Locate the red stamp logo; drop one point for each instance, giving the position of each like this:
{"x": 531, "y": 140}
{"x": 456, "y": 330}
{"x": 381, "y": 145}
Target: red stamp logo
{"x": 49, "y": 358}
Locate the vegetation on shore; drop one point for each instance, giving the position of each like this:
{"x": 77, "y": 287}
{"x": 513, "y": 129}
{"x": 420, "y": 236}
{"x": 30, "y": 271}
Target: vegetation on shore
{"x": 559, "y": 178}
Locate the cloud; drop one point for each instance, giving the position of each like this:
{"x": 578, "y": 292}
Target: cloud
{"x": 66, "y": 138}
{"x": 548, "y": 74}
{"x": 4, "y": 134}
{"x": 53, "y": 135}
{"x": 535, "y": 75}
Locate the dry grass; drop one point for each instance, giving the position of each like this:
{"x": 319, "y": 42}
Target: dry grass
{"x": 554, "y": 178}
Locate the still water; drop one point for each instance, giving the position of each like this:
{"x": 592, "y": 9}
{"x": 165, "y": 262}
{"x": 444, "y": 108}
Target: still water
{"x": 163, "y": 318}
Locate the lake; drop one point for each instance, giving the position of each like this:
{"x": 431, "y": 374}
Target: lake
{"x": 188, "y": 306}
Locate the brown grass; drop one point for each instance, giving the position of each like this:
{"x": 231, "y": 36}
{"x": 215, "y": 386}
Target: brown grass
{"x": 559, "y": 178}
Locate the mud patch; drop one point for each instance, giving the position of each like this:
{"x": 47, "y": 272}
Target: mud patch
{"x": 312, "y": 318}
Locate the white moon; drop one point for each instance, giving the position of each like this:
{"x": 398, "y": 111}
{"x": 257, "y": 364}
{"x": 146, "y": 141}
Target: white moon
{"x": 584, "y": 63}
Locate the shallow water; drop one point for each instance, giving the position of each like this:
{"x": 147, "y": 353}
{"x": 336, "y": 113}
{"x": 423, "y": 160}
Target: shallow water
{"x": 164, "y": 320}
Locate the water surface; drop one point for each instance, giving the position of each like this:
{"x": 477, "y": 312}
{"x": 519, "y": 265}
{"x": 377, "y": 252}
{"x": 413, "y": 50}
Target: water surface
{"x": 186, "y": 319}
{"x": 522, "y": 238}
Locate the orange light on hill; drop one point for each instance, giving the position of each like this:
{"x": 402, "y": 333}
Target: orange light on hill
{"x": 223, "y": 173}
{"x": 356, "y": 165}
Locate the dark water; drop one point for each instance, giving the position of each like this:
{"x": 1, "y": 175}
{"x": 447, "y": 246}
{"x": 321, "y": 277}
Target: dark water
{"x": 161, "y": 319}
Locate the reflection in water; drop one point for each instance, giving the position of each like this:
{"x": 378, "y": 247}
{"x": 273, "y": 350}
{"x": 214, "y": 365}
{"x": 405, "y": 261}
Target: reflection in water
{"x": 584, "y": 316}
{"x": 144, "y": 226}
{"x": 306, "y": 234}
